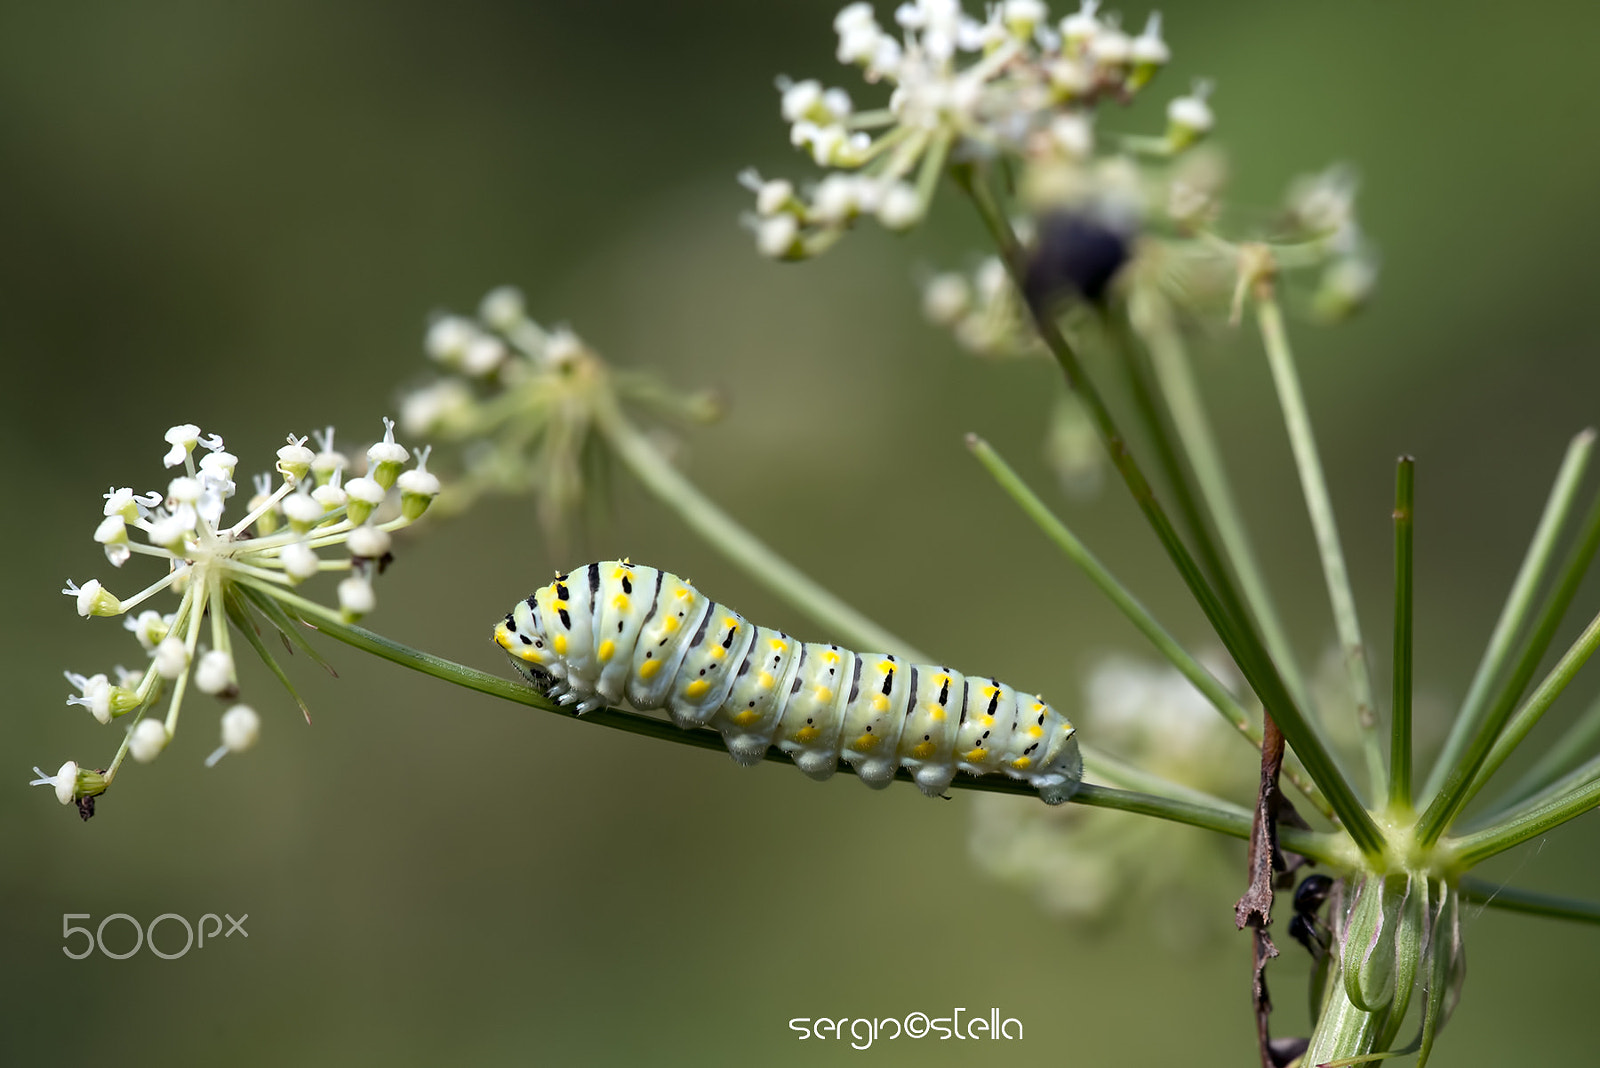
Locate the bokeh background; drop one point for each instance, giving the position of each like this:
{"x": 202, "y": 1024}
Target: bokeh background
{"x": 241, "y": 216}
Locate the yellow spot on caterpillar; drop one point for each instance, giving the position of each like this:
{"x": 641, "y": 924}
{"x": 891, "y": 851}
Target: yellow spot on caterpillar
{"x": 778, "y": 645}
{"x": 987, "y": 722}
{"x": 866, "y": 743}
{"x": 683, "y": 592}
{"x": 991, "y": 691}
{"x": 1037, "y": 707}
{"x": 1035, "y": 731}
{"x": 766, "y": 681}
{"x": 557, "y": 606}
{"x": 746, "y": 716}
{"x": 501, "y": 638}
{"x": 607, "y": 648}
{"x": 621, "y": 602}
{"x": 886, "y": 666}
{"x": 1022, "y": 763}
{"x": 669, "y": 624}
{"x": 880, "y": 704}
{"x": 830, "y": 657}
{"x": 822, "y": 695}
{"x": 975, "y": 755}
{"x": 696, "y": 689}
{"x": 942, "y": 680}
{"x": 936, "y": 713}
{"x": 923, "y": 750}
{"x": 532, "y": 656}
{"x": 718, "y": 652}
{"x": 560, "y": 642}
{"x": 806, "y": 733}
{"x": 620, "y": 573}
{"x": 648, "y": 669}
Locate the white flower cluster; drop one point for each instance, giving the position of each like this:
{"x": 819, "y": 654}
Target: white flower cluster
{"x": 983, "y": 309}
{"x": 524, "y": 399}
{"x": 233, "y": 572}
{"x": 1014, "y": 83}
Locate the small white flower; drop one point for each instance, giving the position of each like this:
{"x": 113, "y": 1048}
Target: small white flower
{"x": 145, "y": 742}
{"x": 854, "y": 16}
{"x": 121, "y": 502}
{"x": 294, "y": 459}
{"x": 836, "y": 199}
{"x": 385, "y": 457}
{"x": 563, "y": 347}
{"x": 183, "y": 439}
{"x": 1074, "y": 134}
{"x": 426, "y": 410}
{"x": 113, "y": 534}
{"x": 65, "y": 781}
{"x": 93, "y": 599}
{"x": 1077, "y": 30}
{"x": 214, "y": 672}
{"x": 183, "y": 490}
{"x": 1110, "y": 47}
{"x": 503, "y": 308}
{"x": 368, "y": 541}
{"x": 946, "y": 298}
{"x": 330, "y": 494}
{"x": 1148, "y": 49}
{"x": 900, "y": 208}
{"x": 1189, "y": 118}
{"x": 329, "y": 461}
{"x": 299, "y": 561}
{"x": 303, "y": 510}
{"x": 356, "y": 598}
{"x": 448, "y": 337}
{"x": 149, "y": 627}
{"x": 418, "y": 486}
{"x": 1022, "y": 17}
{"x": 483, "y": 354}
{"x": 94, "y": 693}
{"x": 778, "y": 237}
{"x": 240, "y": 729}
{"x": 365, "y": 494}
{"x": 800, "y": 100}
{"x": 171, "y": 657}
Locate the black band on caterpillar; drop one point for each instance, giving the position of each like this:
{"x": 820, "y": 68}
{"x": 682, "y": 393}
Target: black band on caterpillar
{"x": 673, "y": 648}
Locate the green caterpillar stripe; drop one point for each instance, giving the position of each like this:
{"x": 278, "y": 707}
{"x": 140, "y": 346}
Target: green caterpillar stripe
{"x": 615, "y": 632}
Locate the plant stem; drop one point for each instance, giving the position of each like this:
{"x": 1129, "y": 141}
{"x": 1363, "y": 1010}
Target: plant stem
{"x": 1460, "y": 783}
{"x": 1529, "y": 713}
{"x": 1230, "y": 821}
{"x": 750, "y": 553}
{"x": 1400, "y": 715}
{"x": 1176, "y": 380}
{"x": 1319, "y": 506}
{"x": 1237, "y": 637}
{"x": 1578, "y": 739}
{"x": 1120, "y": 596}
{"x": 1510, "y": 899}
{"x": 1535, "y": 563}
{"x": 1472, "y": 849}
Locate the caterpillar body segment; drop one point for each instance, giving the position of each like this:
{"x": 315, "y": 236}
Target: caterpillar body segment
{"x": 615, "y": 632}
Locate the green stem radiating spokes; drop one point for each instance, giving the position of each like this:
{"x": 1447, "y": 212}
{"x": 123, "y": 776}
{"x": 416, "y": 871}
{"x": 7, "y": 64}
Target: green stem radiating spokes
{"x": 1400, "y": 735}
{"x": 750, "y": 553}
{"x": 1297, "y": 420}
{"x": 1170, "y": 358}
{"x": 1535, "y": 564}
{"x": 1119, "y": 595}
{"x": 1234, "y": 630}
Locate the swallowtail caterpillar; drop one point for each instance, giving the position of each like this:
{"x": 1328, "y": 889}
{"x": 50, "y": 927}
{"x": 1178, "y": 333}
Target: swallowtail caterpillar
{"x": 615, "y": 632}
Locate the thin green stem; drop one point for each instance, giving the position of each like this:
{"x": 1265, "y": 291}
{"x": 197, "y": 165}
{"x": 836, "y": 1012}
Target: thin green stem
{"x": 1470, "y": 850}
{"x": 1179, "y": 388}
{"x": 1124, "y": 600}
{"x": 1400, "y": 736}
{"x": 1529, "y": 902}
{"x": 1572, "y": 780}
{"x": 1230, "y": 821}
{"x": 1535, "y": 564}
{"x": 1297, "y": 420}
{"x": 1237, "y": 637}
{"x": 757, "y": 559}
{"x": 1578, "y": 739}
{"x": 1532, "y": 709}
{"x": 1460, "y": 784}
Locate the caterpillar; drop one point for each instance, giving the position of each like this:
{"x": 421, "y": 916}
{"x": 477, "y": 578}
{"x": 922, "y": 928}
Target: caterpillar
{"x": 615, "y": 631}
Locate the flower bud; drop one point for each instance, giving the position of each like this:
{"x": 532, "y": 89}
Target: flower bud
{"x": 171, "y": 657}
{"x": 294, "y": 459}
{"x": 356, "y": 598}
{"x": 386, "y": 457}
{"x": 93, "y": 599}
{"x": 147, "y": 739}
{"x": 214, "y": 673}
{"x": 365, "y": 494}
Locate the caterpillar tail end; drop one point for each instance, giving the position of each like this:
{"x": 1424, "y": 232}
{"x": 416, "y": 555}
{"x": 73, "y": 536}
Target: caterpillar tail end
{"x": 1057, "y": 786}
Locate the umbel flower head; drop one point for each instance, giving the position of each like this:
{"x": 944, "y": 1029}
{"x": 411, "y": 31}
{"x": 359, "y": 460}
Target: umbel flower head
{"x": 524, "y": 400}
{"x": 241, "y": 573}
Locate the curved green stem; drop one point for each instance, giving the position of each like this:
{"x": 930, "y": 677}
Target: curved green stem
{"x": 1529, "y": 902}
{"x": 1400, "y": 712}
{"x": 1236, "y": 635}
{"x": 1120, "y": 596}
{"x": 1519, "y": 602}
{"x": 757, "y": 559}
{"x": 1314, "y": 484}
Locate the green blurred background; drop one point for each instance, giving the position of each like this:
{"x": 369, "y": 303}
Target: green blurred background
{"x": 241, "y": 215}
